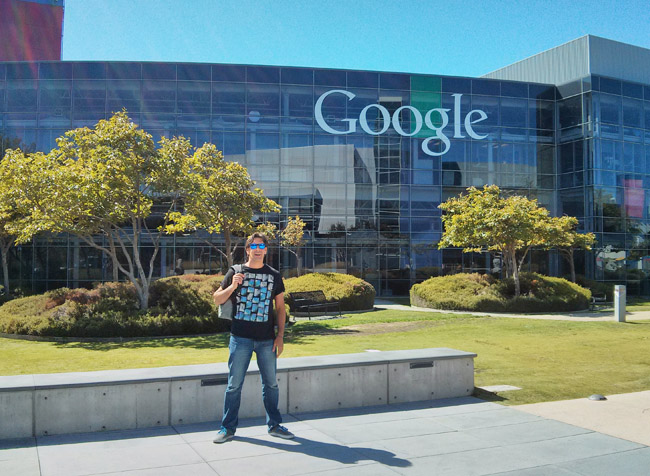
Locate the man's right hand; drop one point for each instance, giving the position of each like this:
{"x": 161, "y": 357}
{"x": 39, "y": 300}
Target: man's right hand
{"x": 237, "y": 280}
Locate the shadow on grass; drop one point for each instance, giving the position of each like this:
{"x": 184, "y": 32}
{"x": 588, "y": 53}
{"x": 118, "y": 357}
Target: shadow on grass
{"x": 305, "y": 334}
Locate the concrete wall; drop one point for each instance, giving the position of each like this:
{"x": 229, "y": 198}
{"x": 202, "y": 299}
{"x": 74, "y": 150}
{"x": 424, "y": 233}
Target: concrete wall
{"x": 36, "y": 405}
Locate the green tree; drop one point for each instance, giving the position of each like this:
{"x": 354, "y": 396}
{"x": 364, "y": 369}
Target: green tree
{"x": 485, "y": 220}
{"x": 110, "y": 180}
{"x": 222, "y": 200}
{"x": 25, "y": 181}
{"x": 562, "y": 235}
{"x": 293, "y": 239}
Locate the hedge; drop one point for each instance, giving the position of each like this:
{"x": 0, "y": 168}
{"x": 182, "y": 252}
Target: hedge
{"x": 478, "y": 292}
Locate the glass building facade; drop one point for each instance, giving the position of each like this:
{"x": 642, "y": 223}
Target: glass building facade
{"x": 364, "y": 158}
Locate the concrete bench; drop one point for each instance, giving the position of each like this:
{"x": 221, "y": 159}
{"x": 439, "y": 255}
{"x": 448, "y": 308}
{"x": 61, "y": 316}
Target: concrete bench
{"x": 47, "y": 404}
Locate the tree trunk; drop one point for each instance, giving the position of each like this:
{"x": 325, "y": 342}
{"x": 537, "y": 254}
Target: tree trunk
{"x": 113, "y": 256}
{"x": 511, "y": 258}
{"x": 229, "y": 252}
{"x": 572, "y": 265}
{"x": 5, "y": 271}
{"x": 299, "y": 259}
{"x": 515, "y": 276}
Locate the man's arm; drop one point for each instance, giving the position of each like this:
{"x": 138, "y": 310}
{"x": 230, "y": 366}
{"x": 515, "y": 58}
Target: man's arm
{"x": 281, "y": 316}
{"x": 222, "y": 295}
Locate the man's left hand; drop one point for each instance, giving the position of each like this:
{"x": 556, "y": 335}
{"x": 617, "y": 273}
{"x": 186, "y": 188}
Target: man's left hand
{"x": 278, "y": 344}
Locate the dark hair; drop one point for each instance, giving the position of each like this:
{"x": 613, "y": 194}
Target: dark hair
{"x": 259, "y": 235}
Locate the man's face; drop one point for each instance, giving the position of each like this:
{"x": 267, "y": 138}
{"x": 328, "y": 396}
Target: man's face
{"x": 255, "y": 251}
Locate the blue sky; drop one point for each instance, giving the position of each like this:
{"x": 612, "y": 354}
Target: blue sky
{"x": 452, "y": 37}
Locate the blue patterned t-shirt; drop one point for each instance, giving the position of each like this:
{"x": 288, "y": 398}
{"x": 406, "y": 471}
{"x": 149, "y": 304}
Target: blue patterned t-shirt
{"x": 254, "y": 302}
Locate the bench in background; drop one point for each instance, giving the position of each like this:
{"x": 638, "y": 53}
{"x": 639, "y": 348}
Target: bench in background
{"x": 312, "y": 302}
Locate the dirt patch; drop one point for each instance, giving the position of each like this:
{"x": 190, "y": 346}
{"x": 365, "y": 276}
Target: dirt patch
{"x": 386, "y": 327}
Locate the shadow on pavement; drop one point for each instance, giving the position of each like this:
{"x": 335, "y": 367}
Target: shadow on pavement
{"x": 340, "y": 453}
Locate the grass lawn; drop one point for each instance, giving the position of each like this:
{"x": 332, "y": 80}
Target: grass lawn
{"x": 549, "y": 360}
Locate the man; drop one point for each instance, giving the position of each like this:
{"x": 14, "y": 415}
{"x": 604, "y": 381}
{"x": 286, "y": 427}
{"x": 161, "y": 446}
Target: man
{"x": 254, "y": 291}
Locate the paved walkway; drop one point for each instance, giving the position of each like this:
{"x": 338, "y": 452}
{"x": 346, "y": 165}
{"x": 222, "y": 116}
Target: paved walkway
{"x": 460, "y": 436}
{"x": 585, "y": 316}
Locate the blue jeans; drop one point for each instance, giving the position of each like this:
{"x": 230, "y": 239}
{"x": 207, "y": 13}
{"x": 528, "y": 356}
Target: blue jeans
{"x": 241, "y": 351}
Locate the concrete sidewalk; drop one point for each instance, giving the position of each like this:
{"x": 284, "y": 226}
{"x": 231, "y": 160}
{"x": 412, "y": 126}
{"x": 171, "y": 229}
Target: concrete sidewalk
{"x": 461, "y": 436}
{"x": 581, "y": 316}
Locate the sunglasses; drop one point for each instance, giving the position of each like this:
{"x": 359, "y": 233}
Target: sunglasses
{"x": 254, "y": 246}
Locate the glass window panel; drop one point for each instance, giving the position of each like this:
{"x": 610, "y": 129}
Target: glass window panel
{"x": 229, "y": 99}
{"x": 457, "y": 85}
{"x": 194, "y": 97}
{"x": 3, "y": 72}
{"x": 82, "y": 118}
{"x": 193, "y": 121}
{"x": 262, "y": 74}
{"x": 489, "y": 105}
{"x": 608, "y": 85}
{"x": 21, "y": 96}
{"x": 297, "y": 149}
{"x": 263, "y": 99}
{"x": 646, "y": 113}
{"x": 632, "y": 112}
{"x": 55, "y": 95}
{"x": 22, "y": 71}
{"x": 55, "y": 118}
{"x": 569, "y": 89}
{"x": 329, "y": 77}
{"x": 334, "y": 109}
{"x": 298, "y": 125}
{"x": 229, "y": 123}
{"x": 540, "y": 91}
{"x": 159, "y": 71}
{"x": 297, "y": 101}
{"x": 159, "y": 96}
{"x": 228, "y": 72}
{"x": 234, "y": 144}
{"x": 425, "y": 83}
{"x": 89, "y": 95}
{"x": 425, "y": 198}
{"x": 3, "y": 105}
{"x": 21, "y": 137}
{"x": 363, "y": 79}
{"x": 123, "y": 70}
{"x": 512, "y": 89}
{"x": 123, "y": 94}
{"x": 89, "y": 70}
{"x": 394, "y": 81}
{"x": 486, "y": 86}
{"x": 514, "y": 112}
{"x": 570, "y": 112}
{"x": 338, "y": 175}
{"x": 297, "y": 76}
{"x": 364, "y": 97}
{"x": 260, "y": 169}
{"x": 262, "y": 141}
{"x": 194, "y": 72}
{"x": 610, "y": 108}
{"x": 157, "y": 120}
{"x": 46, "y": 139}
{"x": 632, "y": 90}
{"x": 55, "y": 71}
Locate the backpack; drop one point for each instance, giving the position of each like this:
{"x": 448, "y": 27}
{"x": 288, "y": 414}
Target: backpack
{"x": 227, "y": 309}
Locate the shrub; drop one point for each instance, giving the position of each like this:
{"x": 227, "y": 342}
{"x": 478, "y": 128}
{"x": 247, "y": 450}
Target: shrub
{"x": 354, "y": 294}
{"x": 596, "y": 287}
{"x": 476, "y": 292}
{"x": 173, "y": 296}
{"x": 177, "y": 306}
